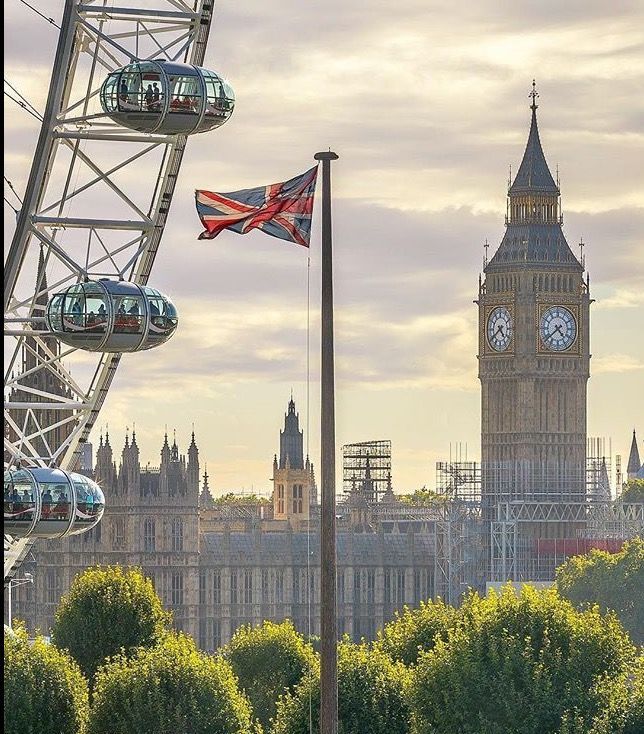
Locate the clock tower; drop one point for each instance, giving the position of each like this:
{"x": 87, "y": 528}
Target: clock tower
{"x": 533, "y": 351}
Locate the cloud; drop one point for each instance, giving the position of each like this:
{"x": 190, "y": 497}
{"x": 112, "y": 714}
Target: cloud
{"x": 617, "y": 363}
{"x": 623, "y": 298}
{"x": 427, "y": 108}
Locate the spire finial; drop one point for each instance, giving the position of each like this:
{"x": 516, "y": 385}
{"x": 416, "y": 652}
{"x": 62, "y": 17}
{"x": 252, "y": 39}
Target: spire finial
{"x": 486, "y": 245}
{"x": 534, "y": 94}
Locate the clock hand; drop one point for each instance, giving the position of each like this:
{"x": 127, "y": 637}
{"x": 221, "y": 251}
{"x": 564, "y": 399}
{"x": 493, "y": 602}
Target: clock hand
{"x": 558, "y": 328}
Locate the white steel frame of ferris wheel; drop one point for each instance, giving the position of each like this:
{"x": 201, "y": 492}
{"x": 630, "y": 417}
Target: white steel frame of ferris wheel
{"x": 95, "y": 39}
{"x": 168, "y": 28}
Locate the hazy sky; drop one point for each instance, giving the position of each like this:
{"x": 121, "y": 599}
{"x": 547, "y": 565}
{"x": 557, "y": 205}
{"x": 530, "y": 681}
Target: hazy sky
{"x": 426, "y": 103}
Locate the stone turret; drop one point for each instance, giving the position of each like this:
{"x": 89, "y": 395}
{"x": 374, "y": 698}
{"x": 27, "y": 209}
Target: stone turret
{"x": 634, "y": 463}
{"x": 292, "y": 479}
{"x": 192, "y": 469}
{"x": 105, "y": 470}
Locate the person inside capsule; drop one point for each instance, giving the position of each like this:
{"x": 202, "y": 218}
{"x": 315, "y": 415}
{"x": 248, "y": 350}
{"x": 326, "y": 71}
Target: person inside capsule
{"x": 47, "y": 501}
{"x": 61, "y": 508}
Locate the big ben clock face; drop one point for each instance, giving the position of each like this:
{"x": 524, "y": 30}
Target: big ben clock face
{"x": 499, "y": 329}
{"x": 558, "y": 328}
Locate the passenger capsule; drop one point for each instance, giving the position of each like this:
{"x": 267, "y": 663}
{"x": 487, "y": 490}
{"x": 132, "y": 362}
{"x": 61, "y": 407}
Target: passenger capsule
{"x": 50, "y": 503}
{"x": 111, "y": 316}
{"x": 167, "y": 97}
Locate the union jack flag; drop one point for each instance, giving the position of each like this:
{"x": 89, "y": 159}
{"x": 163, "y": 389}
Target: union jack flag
{"x": 282, "y": 210}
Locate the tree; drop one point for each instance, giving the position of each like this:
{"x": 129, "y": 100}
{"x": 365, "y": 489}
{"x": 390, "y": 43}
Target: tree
{"x": 44, "y": 689}
{"x": 241, "y": 499}
{"x": 622, "y": 702}
{"x": 168, "y": 689}
{"x": 422, "y": 497}
{"x": 269, "y": 660}
{"x": 611, "y": 580}
{"x": 633, "y": 491}
{"x": 371, "y": 696}
{"x": 108, "y": 609}
{"x": 517, "y": 662}
{"x": 415, "y": 630}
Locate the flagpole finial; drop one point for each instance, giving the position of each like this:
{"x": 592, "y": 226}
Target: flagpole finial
{"x": 326, "y": 156}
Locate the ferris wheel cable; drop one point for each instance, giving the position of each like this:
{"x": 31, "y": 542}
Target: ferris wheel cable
{"x": 20, "y": 103}
{"x": 21, "y": 96}
{"x": 44, "y": 17}
{"x": 16, "y": 211}
{"x": 12, "y": 188}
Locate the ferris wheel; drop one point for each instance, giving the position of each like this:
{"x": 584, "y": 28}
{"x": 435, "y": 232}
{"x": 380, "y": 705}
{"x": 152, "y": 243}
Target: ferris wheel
{"x": 127, "y": 89}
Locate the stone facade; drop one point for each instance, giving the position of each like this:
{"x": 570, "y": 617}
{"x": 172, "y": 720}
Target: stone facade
{"x": 219, "y": 565}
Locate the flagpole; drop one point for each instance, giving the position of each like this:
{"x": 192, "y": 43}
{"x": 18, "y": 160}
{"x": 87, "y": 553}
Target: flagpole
{"x": 328, "y": 621}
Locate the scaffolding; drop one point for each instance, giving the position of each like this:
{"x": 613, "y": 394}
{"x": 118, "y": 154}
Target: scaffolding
{"x": 459, "y": 480}
{"x": 459, "y": 541}
{"x": 531, "y": 536}
{"x": 367, "y": 466}
{"x": 512, "y": 521}
{"x": 598, "y": 470}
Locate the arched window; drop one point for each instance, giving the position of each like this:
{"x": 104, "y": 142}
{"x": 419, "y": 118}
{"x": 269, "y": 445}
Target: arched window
{"x": 177, "y": 588}
{"x": 177, "y": 534}
{"x": 149, "y": 535}
{"x": 280, "y": 498}
{"x": 248, "y": 586}
{"x": 216, "y": 587}
{"x": 298, "y": 494}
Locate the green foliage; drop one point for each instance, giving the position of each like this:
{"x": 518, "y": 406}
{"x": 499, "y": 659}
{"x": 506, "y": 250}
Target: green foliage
{"x": 611, "y": 580}
{"x": 517, "y": 663}
{"x": 44, "y": 690}
{"x": 371, "y": 696}
{"x": 622, "y": 701}
{"x": 241, "y": 499}
{"x": 633, "y": 491}
{"x": 108, "y": 609}
{"x": 422, "y": 497}
{"x": 269, "y": 660}
{"x": 168, "y": 689}
{"x": 415, "y": 630}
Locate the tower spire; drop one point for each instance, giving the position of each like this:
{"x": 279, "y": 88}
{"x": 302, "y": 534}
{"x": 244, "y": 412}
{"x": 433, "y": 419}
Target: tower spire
{"x": 534, "y": 94}
{"x": 534, "y": 175}
{"x": 633, "y": 459}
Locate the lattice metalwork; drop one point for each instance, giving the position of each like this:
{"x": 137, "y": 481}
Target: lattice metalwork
{"x": 459, "y": 480}
{"x": 366, "y": 467}
{"x": 95, "y": 206}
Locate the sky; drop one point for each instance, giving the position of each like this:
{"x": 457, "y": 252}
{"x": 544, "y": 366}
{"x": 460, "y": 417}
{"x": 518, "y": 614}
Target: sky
{"x": 427, "y": 107}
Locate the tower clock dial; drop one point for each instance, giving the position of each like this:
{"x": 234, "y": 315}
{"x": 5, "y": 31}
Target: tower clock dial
{"x": 499, "y": 329}
{"x": 558, "y": 328}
